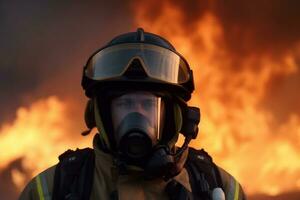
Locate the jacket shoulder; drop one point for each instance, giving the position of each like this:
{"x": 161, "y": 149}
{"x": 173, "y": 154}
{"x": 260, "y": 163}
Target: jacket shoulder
{"x": 215, "y": 175}
{"x": 40, "y": 186}
{"x": 232, "y": 188}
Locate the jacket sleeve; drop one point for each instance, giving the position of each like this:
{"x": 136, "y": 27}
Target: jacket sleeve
{"x": 40, "y": 187}
{"x": 28, "y": 192}
{"x": 232, "y": 188}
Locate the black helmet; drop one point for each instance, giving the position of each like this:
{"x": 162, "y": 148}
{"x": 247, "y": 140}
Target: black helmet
{"x": 138, "y": 60}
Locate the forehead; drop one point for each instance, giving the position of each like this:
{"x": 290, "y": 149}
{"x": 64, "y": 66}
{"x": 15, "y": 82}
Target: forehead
{"x": 137, "y": 95}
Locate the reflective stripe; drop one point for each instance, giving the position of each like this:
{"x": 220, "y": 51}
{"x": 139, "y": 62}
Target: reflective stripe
{"x": 45, "y": 187}
{"x": 39, "y": 188}
{"x": 233, "y": 190}
{"x": 237, "y": 189}
{"x": 42, "y": 187}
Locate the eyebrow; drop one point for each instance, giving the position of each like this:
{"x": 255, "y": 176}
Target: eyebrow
{"x": 134, "y": 98}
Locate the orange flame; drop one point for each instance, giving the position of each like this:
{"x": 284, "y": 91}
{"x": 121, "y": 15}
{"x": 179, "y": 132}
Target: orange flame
{"x": 235, "y": 130}
{"x": 38, "y": 135}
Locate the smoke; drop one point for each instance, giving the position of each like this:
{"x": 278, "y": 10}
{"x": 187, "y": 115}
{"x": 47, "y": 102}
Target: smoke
{"x": 247, "y": 26}
{"x": 260, "y": 25}
{"x": 44, "y": 46}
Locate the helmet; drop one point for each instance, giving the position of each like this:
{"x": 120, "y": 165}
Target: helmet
{"x": 142, "y": 61}
{"x": 162, "y": 65}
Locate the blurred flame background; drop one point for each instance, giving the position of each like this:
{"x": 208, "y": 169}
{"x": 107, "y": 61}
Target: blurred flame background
{"x": 245, "y": 57}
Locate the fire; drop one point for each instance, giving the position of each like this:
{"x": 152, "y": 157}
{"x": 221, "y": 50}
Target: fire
{"x": 235, "y": 129}
{"x": 38, "y": 135}
{"x": 242, "y": 136}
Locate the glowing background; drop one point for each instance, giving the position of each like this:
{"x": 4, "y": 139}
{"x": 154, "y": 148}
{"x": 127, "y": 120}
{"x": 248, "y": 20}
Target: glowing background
{"x": 245, "y": 59}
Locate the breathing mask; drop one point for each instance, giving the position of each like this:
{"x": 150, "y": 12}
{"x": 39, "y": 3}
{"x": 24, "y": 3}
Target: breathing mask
{"x": 137, "y": 120}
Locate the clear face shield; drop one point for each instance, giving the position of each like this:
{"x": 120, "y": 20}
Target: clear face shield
{"x": 137, "y": 121}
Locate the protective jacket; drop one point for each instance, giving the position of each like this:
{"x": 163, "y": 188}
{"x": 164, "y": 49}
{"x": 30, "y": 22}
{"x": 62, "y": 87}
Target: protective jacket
{"x": 108, "y": 183}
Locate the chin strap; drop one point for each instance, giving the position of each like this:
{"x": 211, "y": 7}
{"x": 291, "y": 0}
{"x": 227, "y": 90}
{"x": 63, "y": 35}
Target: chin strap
{"x": 184, "y": 147}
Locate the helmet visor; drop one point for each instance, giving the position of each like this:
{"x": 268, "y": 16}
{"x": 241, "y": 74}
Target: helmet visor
{"x": 159, "y": 63}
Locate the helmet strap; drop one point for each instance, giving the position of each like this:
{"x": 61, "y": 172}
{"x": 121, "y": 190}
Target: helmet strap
{"x": 99, "y": 124}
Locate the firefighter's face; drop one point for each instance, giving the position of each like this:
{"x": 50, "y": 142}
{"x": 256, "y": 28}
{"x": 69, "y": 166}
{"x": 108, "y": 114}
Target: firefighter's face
{"x": 146, "y": 105}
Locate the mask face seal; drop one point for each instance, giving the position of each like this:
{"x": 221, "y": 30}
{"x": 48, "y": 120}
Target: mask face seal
{"x": 137, "y": 122}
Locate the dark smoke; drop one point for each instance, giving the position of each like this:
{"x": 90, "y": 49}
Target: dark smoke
{"x": 249, "y": 27}
{"x": 263, "y": 26}
{"x": 45, "y": 44}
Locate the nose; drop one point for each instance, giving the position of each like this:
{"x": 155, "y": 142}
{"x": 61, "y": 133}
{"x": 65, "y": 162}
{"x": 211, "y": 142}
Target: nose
{"x": 138, "y": 107}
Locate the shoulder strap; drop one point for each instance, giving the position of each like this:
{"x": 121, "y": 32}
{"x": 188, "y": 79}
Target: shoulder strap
{"x": 73, "y": 177}
{"x": 204, "y": 174}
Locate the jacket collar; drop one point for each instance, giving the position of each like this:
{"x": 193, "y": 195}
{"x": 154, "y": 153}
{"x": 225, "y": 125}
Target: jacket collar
{"x": 107, "y": 161}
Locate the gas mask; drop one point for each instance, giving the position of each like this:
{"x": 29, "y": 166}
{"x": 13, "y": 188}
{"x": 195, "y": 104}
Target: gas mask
{"x": 137, "y": 119}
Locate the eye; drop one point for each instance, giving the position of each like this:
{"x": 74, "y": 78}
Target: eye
{"x": 124, "y": 103}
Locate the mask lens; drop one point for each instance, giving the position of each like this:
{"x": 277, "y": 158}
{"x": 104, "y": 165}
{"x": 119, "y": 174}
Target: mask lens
{"x": 138, "y": 118}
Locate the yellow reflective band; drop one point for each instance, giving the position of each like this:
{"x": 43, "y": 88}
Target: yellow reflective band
{"x": 39, "y": 188}
{"x": 236, "y": 191}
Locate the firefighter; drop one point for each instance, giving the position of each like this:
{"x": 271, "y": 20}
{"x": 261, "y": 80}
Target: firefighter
{"x": 138, "y": 87}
